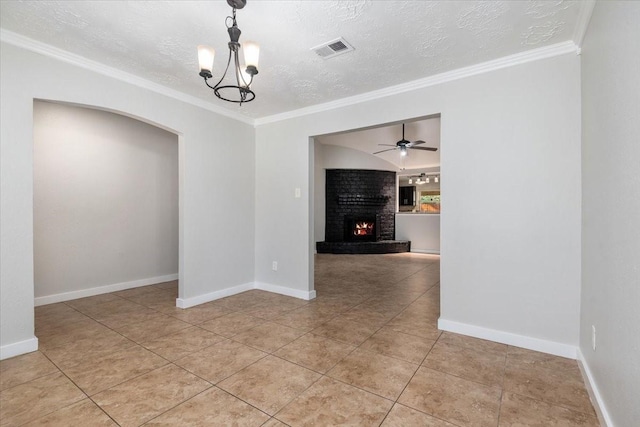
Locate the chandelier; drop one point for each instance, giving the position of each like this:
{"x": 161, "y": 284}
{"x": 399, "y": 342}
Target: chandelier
{"x": 243, "y": 76}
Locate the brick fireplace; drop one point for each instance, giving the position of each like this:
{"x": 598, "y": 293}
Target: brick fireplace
{"x": 360, "y": 212}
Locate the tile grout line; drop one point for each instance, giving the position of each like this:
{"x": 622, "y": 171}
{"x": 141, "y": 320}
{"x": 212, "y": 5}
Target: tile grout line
{"x": 203, "y": 391}
{"x": 115, "y": 351}
{"x": 554, "y": 404}
{"x": 376, "y": 331}
{"x": 81, "y": 390}
{"x": 409, "y": 382}
{"x": 168, "y": 363}
{"x": 337, "y": 314}
{"x": 502, "y": 390}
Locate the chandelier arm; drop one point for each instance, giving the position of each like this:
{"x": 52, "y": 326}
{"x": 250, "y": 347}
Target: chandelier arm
{"x": 239, "y": 73}
{"x": 243, "y": 96}
{"x": 206, "y": 81}
{"x": 223, "y": 74}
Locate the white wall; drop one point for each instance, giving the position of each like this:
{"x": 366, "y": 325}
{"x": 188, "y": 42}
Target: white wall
{"x": 105, "y": 201}
{"x": 611, "y": 207}
{"x": 511, "y": 267}
{"x": 423, "y": 230}
{"x": 336, "y": 157}
{"x": 217, "y": 221}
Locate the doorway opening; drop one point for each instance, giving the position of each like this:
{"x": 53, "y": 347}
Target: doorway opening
{"x": 337, "y": 224}
{"x": 350, "y": 179}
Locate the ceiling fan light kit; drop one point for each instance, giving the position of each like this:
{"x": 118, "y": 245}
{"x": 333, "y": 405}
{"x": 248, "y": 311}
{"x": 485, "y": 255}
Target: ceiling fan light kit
{"x": 241, "y": 91}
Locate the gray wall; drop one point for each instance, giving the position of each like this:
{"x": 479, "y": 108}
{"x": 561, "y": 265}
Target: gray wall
{"x": 105, "y": 202}
{"x": 510, "y": 270}
{"x": 611, "y": 207}
{"x": 210, "y": 146}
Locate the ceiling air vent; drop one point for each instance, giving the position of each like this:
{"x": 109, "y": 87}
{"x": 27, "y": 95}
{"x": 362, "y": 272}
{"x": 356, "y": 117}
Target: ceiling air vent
{"x": 333, "y": 48}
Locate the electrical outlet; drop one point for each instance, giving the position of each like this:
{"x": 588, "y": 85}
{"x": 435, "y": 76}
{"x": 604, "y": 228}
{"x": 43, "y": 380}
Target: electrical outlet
{"x": 274, "y": 265}
{"x": 593, "y": 337}
{"x": 297, "y": 193}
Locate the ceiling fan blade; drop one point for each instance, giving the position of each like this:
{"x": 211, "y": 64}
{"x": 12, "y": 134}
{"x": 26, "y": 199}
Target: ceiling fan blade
{"x": 424, "y": 148}
{"x": 389, "y": 145}
{"x": 382, "y": 151}
{"x": 418, "y": 142}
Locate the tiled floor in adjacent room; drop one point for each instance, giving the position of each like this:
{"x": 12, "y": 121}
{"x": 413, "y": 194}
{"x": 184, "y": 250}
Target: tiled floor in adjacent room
{"x": 366, "y": 352}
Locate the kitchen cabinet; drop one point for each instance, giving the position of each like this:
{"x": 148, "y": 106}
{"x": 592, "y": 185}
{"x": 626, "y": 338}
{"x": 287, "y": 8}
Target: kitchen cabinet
{"x": 407, "y": 196}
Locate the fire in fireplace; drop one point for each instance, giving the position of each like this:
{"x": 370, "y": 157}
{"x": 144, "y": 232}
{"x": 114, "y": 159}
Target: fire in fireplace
{"x": 361, "y": 228}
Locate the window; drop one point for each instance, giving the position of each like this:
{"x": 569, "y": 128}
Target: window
{"x": 419, "y": 193}
{"x": 430, "y": 201}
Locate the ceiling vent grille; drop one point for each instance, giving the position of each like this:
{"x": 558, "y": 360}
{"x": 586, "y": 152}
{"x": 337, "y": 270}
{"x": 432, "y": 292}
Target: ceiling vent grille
{"x": 333, "y": 48}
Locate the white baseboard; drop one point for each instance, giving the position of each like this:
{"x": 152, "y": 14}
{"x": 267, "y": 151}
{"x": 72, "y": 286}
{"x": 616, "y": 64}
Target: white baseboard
{"x": 594, "y": 392}
{"x": 305, "y": 295}
{"x": 67, "y": 296}
{"x": 425, "y": 251}
{"x": 212, "y": 296}
{"x": 18, "y": 348}
{"x": 180, "y": 302}
{"x": 544, "y": 346}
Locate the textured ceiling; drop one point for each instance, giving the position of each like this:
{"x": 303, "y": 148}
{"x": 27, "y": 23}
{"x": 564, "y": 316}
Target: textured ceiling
{"x": 395, "y": 41}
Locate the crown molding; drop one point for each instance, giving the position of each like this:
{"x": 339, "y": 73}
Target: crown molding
{"x": 460, "y": 73}
{"x": 71, "y": 58}
{"x": 584, "y": 16}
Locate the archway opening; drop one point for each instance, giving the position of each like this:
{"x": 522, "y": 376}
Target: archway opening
{"x": 106, "y": 203}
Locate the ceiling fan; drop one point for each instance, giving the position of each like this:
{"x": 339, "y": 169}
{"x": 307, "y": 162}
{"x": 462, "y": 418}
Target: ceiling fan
{"x": 403, "y": 145}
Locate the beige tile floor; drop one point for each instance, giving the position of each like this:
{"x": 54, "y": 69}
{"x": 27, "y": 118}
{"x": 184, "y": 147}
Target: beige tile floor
{"x": 366, "y": 352}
